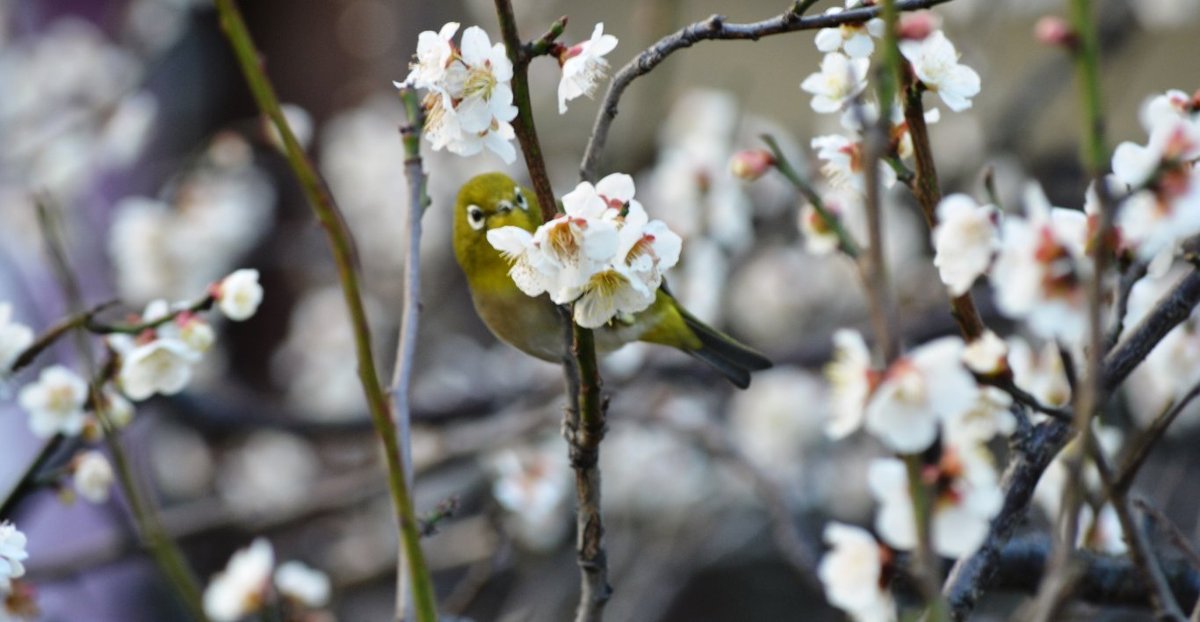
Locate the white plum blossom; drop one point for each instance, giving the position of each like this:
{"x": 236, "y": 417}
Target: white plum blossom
{"x": 918, "y": 391}
{"x": 240, "y": 589}
{"x": 853, "y": 120}
{"x": 630, "y": 284}
{"x": 986, "y": 355}
{"x": 162, "y": 365}
{"x": 964, "y": 241}
{"x": 1165, "y": 205}
{"x": 14, "y": 338}
{"x": 604, "y": 253}
{"x": 239, "y": 295}
{"x": 55, "y": 402}
{"x": 12, "y": 553}
{"x": 1040, "y": 272}
{"x": 853, "y": 38}
{"x": 935, "y": 62}
{"x": 839, "y": 80}
{"x": 93, "y": 476}
{"x": 469, "y": 99}
{"x": 852, "y": 573}
{"x": 583, "y": 67}
{"x": 843, "y": 163}
{"x": 852, "y": 378}
{"x": 966, "y": 496}
{"x": 303, "y": 584}
{"x": 991, "y": 416}
{"x": 435, "y": 51}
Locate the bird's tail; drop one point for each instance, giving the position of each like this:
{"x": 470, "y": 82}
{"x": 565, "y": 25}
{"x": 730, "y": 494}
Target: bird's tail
{"x": 723, "y": 353}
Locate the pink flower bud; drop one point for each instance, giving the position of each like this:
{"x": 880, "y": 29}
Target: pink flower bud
{"x": 751, "y": 164}
{"x": 916, "y": 26}
{"x": 1054, "y": 30}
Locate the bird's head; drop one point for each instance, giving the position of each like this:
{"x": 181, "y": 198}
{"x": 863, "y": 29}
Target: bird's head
{"x": 486, "y": 202}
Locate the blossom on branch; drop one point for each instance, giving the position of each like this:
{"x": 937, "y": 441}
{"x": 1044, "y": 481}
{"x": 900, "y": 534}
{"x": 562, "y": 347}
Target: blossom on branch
{"x": 839, "y": 80}
{"x": 852, "y": 378}
{"x": 302, "y": 584}
{"x": 603, "y": 253}
{"x": 964, "y": 241}
{"x": 855, "y": 38}
{"x": 583, "y": 67}
{"x": 935, "y": 63}
{"x": 239, "y": 294}
{"x": 918, "y": 391}
{"x": 469, "y": 99}
{"x": 55, "y": 402}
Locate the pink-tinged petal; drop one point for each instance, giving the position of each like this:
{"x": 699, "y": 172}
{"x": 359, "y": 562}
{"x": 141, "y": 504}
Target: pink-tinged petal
{"x": 616, "y": 187}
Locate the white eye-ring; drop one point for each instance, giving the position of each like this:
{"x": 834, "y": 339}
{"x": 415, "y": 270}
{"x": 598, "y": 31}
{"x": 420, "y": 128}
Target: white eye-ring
{"x": 522, "y": 202}
{"x": 475, "y": 217}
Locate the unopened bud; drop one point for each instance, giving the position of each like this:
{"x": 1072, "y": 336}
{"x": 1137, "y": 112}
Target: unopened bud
{"x": 751, "y": 164}
{"x": 1054, "y": 30}
{"x": 916, "y": 26}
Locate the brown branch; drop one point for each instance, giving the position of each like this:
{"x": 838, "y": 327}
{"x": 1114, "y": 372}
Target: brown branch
{"x": 972, "y": 575}
{"x": 714, "y": 28}
{"x": 585, "y": 422}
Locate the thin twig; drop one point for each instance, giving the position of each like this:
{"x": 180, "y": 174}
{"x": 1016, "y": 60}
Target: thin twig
{"x": 715, "y": 27}
{"x": 51, "y": 335}
{"x": 585, "y": 422}
{"x": 1129, "y": 277}
{"x": 406, "y": 344}
{"x": 846, "y": 243}
{"x": 1150, "y": 437}
{"x": 1177, "y": 537}
{"x": 341, "y": 245}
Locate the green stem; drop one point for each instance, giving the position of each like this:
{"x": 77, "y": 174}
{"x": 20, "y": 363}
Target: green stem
{"x": 342, "y": 248}
{"x": 846, "y": 242}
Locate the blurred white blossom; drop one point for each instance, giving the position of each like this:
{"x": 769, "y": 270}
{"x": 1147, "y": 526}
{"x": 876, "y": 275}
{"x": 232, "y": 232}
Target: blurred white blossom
{"x": 967, "y": 495}
{"x": 853, "y": 574}
{"x": 777, "y": 418}
{"x": 852, "y": 378}
{"x": 55, "y": 402}
{"x": 920, "y": 390}
{"x": 240, "y": 589}
{"x": 534, "y": 485}
{"x": 987, "y": 355}
{"x": 239, "y": 295}
{"x": 12, "y": 553}
{"x": 93, "y": 476}
{"x": 270, "y": 472}
{"x": 14, "y": 338}
{"x": 964, "y": 240}
{"x": 305, "y": 585}
{"x": 839, "y": 80}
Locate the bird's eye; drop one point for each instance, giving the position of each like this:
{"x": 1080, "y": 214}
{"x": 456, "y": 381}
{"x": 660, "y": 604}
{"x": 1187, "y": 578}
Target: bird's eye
{"x": 521, "y": 201}
{"x": 475, "y": 217}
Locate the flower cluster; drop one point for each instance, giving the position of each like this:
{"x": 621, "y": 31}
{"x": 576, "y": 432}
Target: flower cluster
{"x": 603, "y": 253}
{"x": 243, "y": 587}
{"x": 840, "y": 87}
{"x": 468, "y": 101}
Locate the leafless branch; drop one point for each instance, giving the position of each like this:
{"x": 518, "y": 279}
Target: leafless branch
{"x": 715, "y": 27}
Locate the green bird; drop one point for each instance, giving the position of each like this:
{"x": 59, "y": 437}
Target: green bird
{"x": 533, "y": 325}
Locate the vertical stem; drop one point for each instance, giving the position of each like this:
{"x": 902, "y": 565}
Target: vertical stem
{"x": 585, "y": 419}
{"x": 342, "y": 248}
{"x": 406, "y": 345}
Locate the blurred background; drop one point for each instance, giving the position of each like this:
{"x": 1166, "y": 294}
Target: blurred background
{"x": 133, "y": 118}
